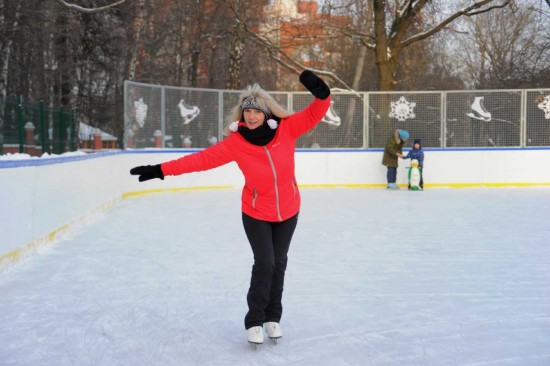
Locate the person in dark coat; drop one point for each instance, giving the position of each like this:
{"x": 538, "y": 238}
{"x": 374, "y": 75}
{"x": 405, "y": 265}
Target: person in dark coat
{"x": 393, "y": 151}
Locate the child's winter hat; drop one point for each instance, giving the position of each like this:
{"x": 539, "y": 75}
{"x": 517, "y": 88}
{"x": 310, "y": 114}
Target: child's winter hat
{"x": 403, "y": 135}
{"x": 417, "y": 141}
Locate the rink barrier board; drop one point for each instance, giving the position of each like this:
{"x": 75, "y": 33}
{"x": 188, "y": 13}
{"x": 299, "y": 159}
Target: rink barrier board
{"x": 15, "y": 255}
{"x": 5, "y": 164}
{"x": 27, "y": 250}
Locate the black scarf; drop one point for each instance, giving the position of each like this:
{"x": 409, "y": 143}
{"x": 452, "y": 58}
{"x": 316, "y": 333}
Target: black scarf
{"x": 260, "y": 136}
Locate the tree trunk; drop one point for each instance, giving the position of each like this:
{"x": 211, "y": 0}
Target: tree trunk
{"x": 359, "y": 67}
{"x": 194, "y": 68}
{"x": 6, "y": 53}
{"x": 137, "y": 42}
{"x": 235, "y": 55}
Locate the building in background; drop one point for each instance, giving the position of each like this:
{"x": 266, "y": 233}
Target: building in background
{"x": 302, "y": 31}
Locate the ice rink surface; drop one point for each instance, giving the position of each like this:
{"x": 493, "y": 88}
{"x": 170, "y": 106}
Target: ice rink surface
{"x": 375, "y": 277}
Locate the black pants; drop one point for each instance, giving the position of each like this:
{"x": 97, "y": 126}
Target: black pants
{"x": 270, "y": 242}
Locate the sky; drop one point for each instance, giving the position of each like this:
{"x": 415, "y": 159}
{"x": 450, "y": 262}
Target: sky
{"x": 375, "y": 277}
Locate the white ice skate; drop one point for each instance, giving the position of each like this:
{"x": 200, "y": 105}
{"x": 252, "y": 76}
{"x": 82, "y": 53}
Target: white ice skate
{"x": 255, "y": 335}
{"x": 273, "y": 330}
{"x": 331, "y": 117}
{"x": 188, "y": 113}
{"x": 479, "y": 111}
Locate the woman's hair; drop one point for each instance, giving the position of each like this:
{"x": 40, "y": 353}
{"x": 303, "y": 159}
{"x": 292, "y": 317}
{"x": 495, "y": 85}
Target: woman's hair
{"x": 261, "y": 99}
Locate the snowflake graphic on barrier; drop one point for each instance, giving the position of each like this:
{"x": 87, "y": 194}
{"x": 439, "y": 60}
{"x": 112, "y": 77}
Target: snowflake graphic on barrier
{"x": 402, "y": 109}
{"x": 545, "y": 106}
{"x": 141, "y": 112}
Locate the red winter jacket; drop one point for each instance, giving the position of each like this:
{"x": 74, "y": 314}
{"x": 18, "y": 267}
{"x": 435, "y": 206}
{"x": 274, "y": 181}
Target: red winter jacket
{"x": 270, "y": 192}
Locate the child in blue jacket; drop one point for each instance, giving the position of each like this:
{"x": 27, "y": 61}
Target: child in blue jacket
{"x": 418, "y": 154}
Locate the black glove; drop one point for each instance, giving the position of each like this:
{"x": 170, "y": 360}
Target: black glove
{"x": 147, "y": 172}
{"x": 314, "y": 84}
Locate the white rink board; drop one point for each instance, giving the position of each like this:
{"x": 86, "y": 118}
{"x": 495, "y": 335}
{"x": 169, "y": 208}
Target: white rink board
{"x": 39, "y": 199}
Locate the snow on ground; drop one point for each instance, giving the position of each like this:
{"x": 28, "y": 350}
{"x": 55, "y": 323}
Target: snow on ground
{"x": 24, "y": 156}
{"x": 441, "y": 277}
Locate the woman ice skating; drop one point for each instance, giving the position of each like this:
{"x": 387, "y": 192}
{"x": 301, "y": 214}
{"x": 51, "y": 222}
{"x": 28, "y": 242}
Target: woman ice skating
{"x": 262, "y": 139}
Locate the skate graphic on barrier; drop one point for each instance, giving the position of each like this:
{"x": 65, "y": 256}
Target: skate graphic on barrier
{"x": 331, "y": 117}
{"x": 402, "y": 109}
{"x": 188, "y": 113}
{"x": 478, "y": 111}
{"x": 545, "y": 106}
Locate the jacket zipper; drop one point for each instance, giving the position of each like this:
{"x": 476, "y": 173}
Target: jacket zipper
{"x": 275, "y": 181}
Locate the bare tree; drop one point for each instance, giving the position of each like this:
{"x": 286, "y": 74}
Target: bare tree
{"x": 235, "y": 55}
{"x": 389, "y": 29}
{"x": 137, "y": 31}
{"x": 10, "y": 23}
{"x": 391, "y": 33}
{"x": 242, "y": 10}
{"x": 505, "y": 49}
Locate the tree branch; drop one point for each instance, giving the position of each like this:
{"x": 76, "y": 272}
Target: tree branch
{"x": 468, "y": 11}
{"x": 291, "y": 63}
{"x": 488, "y": 9}
{"x": 89, "y": 10}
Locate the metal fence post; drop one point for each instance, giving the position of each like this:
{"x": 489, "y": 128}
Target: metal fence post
{"x": 220, "y": 115}
{"x": 125, "y": 132}
{"x": 20, "y": 124}
{"x": 366, "y": 122}
{"x": 443, "y": 124}
{"x": 290, "y": 98}
{"x": 523, "y": 120}
{"x": 163, "y": 116}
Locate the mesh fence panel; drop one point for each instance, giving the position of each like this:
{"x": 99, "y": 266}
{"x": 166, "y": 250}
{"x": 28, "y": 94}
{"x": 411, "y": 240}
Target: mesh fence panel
{"x": 142, "y": 114}
{"x": 418, "y": 113}
{"x": 342, "y": 125}
{"x": 537, "y": 117}
{"x": 191, "y": 118}
{"x": 188, "y": 117}
{"x": 483, "y": 119}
